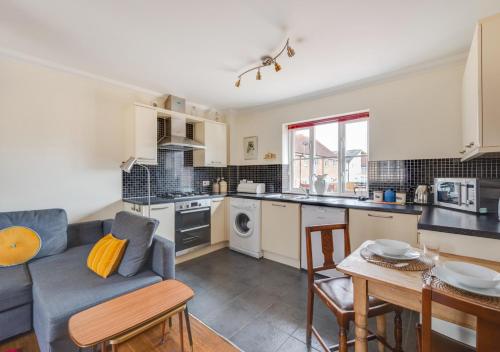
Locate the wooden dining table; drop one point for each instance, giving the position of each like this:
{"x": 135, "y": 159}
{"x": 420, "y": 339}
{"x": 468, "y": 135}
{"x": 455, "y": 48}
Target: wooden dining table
{"x": 402, "y": 288}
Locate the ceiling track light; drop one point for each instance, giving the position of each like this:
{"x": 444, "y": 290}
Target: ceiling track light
{"x": 268, "y": 61}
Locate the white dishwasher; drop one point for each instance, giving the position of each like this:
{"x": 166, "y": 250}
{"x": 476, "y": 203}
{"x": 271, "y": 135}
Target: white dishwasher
{"x": 318, "y": 215}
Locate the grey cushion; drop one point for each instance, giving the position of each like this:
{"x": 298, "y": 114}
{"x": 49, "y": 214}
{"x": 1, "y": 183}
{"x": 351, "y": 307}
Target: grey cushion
{"x": 15, "y": 287}
{"x": 139, "y": 231}
{"x": 50, "y": 224}
{"x": 63, "y": 286}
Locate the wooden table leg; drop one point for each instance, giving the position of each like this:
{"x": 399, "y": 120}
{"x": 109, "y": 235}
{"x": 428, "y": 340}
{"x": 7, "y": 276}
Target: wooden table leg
{"x": 181, "y": 331}
{"x": 114, "y": 348}
{"x": 487, "y": 333}
{"x": 188, "y": 326}
{"x": 381, "y": 331}
{"x": 103, "y": 347}
{"x": 360, "y": 313}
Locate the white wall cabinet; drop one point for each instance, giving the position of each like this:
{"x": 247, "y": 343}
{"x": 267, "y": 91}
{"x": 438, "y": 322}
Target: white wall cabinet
{"x": 142, "y": 134}
{"x": 281, "y": 232}
{"x": 371, "y": 225}
{"x": 214, "y": 136}
{"x": 480, "y": 91}
{"x": 218, "y": 221}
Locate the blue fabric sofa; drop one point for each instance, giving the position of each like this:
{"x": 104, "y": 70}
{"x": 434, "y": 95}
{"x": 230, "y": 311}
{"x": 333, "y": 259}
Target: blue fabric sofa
{"x": 43, "y": 294}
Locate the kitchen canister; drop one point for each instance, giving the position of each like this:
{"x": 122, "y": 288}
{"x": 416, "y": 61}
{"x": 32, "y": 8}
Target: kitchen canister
{"x": 378, "y": 196}
{"x": 401, "y": 197}
{"x": 389, "y": 195}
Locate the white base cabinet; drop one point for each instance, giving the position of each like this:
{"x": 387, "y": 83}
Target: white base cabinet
{"x": 281, "y": 232}
{"x": 164, "y": 213}
{"x": 218, "y": 231}
{"x": 371, "y": 225}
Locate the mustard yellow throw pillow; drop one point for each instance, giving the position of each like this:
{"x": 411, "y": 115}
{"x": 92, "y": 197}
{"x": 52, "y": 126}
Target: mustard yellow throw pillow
{"x": 106, "y": 255}
{"x": 18, "y": 244}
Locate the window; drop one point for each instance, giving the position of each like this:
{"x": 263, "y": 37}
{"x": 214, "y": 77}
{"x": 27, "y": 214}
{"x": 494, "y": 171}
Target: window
{"x": 334, "y": 149}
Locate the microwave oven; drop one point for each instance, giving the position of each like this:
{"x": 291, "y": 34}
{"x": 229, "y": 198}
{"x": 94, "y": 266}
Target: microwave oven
{"x": 468, "y": 194}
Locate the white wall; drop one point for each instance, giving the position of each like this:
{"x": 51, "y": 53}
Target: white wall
{"x": 415, "y": 116}
{"x": 61, "y": 140}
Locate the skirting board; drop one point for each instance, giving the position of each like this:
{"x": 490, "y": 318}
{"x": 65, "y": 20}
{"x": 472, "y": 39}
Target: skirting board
{"x": 202, "y": 251}
{"x": 282, "y": 259}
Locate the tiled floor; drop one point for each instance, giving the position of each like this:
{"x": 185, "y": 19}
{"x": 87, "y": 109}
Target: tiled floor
{"x": 260, "y": 305}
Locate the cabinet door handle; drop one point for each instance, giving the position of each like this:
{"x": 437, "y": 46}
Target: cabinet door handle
{"x": 381, "y": 216}
{"x": 278, "y": 205}
{"x": 160, "y": 208}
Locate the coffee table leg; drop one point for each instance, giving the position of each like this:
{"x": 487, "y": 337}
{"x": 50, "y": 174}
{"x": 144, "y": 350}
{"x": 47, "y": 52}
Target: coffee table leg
{"x": 181, "y": 330}
{"x": 188, "y": 326}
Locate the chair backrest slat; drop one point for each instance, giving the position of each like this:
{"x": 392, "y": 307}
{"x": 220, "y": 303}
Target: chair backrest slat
{"x": 327, "y": 245}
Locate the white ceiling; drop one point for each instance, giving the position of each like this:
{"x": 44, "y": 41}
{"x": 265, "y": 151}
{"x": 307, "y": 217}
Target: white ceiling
{"x": 196, "y": 49}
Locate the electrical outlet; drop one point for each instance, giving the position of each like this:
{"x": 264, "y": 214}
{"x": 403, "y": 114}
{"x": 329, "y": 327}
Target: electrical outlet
{"x": 206, "y": 183}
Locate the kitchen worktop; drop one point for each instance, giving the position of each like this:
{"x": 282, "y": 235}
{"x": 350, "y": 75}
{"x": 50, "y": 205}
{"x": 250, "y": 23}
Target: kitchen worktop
{"x": 339, "y": 202}
{"x": 160, "y": 200}
{"x": 452, "y": 221}
{"x": 432, "y": 218}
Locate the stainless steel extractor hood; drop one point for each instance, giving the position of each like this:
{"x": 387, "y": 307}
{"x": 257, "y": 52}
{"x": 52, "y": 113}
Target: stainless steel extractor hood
{"x": 176, "y": 138}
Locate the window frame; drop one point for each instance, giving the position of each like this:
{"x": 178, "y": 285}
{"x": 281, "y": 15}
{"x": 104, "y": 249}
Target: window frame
{"x": 341, "y": 147}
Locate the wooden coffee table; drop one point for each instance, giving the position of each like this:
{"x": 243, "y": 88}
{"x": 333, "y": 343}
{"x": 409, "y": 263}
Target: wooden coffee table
{"x": 124, "y": 317}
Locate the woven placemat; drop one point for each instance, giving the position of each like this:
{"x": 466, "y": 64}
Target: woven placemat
{"x": 419, "y": 264}
{"x": 437, "y": 284}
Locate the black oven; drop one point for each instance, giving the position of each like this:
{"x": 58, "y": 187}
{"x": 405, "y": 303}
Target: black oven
{"x": 192, "y": 225}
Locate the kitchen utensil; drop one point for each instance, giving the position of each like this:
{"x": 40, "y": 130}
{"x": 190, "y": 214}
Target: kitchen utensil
{"x": 389, "y": 195}
{"x": 472, "y": 275}
{"x": 421, "y": 194}
{"x": 443, "y": 275}
{"x": 392, "y": 247}
{"x": 222, "y": 185}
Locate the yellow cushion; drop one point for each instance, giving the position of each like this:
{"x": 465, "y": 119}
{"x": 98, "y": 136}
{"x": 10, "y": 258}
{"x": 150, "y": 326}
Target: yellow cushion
{"x": 106, "y": 255}
{"x": 18, "y": 244}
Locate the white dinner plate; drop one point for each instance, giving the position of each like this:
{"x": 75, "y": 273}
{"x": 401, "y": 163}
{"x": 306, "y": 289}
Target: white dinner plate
{"x": 447, "y": 277}
{"x": 409, "y": 255}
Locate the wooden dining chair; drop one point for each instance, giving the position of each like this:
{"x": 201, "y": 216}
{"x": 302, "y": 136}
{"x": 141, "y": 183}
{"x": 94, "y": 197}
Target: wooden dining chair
{"x": 337, "y": 294}
{"x": 487, "y": 326}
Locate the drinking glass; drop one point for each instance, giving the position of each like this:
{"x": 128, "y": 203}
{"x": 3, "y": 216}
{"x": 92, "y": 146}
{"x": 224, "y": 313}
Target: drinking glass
{"x": 431, "y": 251}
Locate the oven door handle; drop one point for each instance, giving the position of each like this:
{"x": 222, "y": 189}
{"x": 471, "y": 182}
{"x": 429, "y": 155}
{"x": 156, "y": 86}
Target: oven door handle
{"x": 193, "y": 211}
{"x": 194, "y": 228}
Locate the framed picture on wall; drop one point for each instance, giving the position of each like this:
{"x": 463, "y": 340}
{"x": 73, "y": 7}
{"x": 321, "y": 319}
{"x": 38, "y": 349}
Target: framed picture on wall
{"x": 250, "y": 148}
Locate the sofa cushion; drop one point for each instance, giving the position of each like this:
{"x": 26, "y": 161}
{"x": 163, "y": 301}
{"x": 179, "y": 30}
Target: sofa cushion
{"x": 139, "y": 231}
{"x": 63, "y": 286}
{"x": 50, "y": 224}
{"x": 15, "y": 287}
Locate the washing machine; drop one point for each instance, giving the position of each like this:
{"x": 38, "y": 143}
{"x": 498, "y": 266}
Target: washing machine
{"x": 244, "y": 217}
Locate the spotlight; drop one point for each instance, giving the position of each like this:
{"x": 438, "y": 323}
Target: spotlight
{"x": 277, "y": 66}
{"x": 258, "y": 77}
{"x": 238, "y": 82}
{"x": 290, "y": 51}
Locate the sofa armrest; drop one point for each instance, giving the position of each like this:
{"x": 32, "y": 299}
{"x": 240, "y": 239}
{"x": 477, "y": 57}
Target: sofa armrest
{"x": 163, "y": 257}
{"x": 87, "y": 232}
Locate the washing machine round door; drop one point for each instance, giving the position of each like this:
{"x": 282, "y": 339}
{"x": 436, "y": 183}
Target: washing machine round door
{"x": 242, "y": 224}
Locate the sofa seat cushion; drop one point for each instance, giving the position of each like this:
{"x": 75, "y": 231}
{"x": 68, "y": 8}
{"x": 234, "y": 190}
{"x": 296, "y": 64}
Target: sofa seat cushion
{"x": 15, "y": 287}
{"x": 63, "y": 286}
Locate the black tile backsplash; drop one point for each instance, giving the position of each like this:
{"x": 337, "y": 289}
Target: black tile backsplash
{"x": 406, "y": 175}
{"x": 175, "y": 172}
